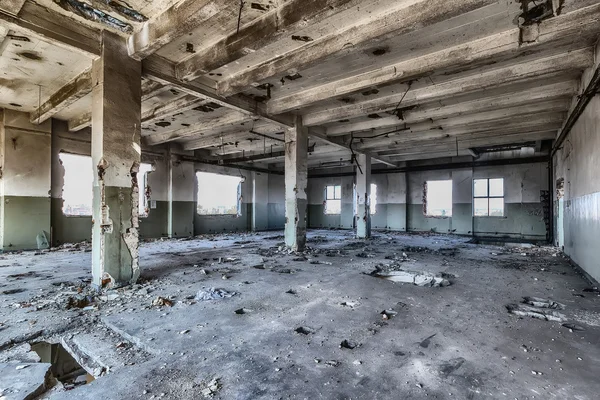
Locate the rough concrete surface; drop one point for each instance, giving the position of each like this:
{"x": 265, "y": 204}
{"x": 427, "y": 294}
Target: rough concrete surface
{"x": 318, "y": 324}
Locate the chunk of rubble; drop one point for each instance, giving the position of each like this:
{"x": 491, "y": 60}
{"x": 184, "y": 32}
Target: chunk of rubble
{"x": 543, "y": 303}
{"x": 253, "y": 261}
{"x": 525, "y": 310}
{"x": 161, "y": 302}
{"x": 417, "y": 278}
{"x": 213, "y": 294}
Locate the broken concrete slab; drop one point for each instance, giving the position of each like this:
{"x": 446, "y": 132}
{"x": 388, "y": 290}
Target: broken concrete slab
{"x": 417, "y": 278}
{"x": 22, "y": 381}
{"x": 213, "y": 294}
{"x": 524, "y": 310}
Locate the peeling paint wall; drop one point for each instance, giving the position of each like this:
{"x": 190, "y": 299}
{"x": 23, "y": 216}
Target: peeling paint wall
{"x": 578, "y": 163}
{"x": 25, "y": 182}
{"x": 396, "y": 210}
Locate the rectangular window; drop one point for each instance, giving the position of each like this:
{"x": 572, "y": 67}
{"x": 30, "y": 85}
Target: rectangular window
{"x": 488, "y": 197}
{"x": 438, "y": 198}
{"x": 373, "y": 206}
{"x": 144, "y": 190}
{"x": 333, "y": 200}
{"x": 77, "y": 186}
{"x": 218, "y": 194}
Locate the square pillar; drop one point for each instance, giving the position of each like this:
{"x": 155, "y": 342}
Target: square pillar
{"x": 170, "y": 161}
{"x": 296, "y": 176}
{"x": 116, "y": 156}
{"x": 260, "y": 201}
{"x": 363, "y": 194}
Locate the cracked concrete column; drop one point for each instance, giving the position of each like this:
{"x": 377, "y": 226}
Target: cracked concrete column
{"x": 296, "y": 177}
{"x": 363, "y": 194}
{"x": 116, "y": 153}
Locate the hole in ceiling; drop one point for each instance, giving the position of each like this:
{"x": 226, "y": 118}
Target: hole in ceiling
{"x": 374, "y": 116}
{"x": 302, "y": 38}
{"x": 15, "y": 105}
{"x": 189, "y": 48}
{"x": 259, "y": 6}
{"x": 30, "y": 55}
{"x": 347, "y": 100}
{"x": 370, "y": 92}
{"x": 293, "y": 77}
{"x": 162, "y": 124}
{"x": 379, "y": 52}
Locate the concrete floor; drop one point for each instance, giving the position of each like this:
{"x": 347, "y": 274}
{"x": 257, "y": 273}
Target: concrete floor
{"x": 453, "y": 342}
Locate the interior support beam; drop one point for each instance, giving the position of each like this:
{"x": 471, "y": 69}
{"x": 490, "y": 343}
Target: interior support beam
{"x": 363, "y": 194}
{"x": 116, "y": 156}
{"x": 296, "y": 180}
{"x": 562, "y": 29}
{"x": 262, "y": 32}
{"x": 181, "y": 18}
{"x": 368, "y": 22}
{"x": 170, "y": 179}
{"x": 469, "y": 83}
{"x": 77, "y": 88}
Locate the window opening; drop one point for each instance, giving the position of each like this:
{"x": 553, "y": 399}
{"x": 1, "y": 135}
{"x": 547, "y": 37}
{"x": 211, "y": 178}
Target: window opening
{"x": 218, "y": 194}
{"x": 77, "y": 186}
{"x": 438, "y": 198}
{"x": 488, "y": 197}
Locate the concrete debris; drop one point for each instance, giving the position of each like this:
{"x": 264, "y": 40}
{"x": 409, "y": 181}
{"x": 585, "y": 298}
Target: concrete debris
{"x": 241, "y": 311}
{"x": 427, "y": 341}
{"x": 348, "y": 344}
{"x": 543, "y": 303}
{"x": 161, "y": 302}
{"x": 414, "y": 277}
{"x": 304, "y": 330}
{"x": 388, "y": 314}
{"x": 27, "y": 382}
{"x": 333, "y": 363}
{"x": 450, "y": 366}
{"x": 253, "y": 261}
{"x": 213, "y": 294}
{"x": 574, "y": 327}
{"x": 211, "y": 388}
{"x": 546, "y": 314}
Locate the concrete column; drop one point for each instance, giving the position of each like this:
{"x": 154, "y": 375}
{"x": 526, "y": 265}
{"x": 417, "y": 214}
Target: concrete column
{"x": 363, "y": 193}
{"x": 25, "y": 154}
{"x": 116, "y": 153}
{"x": 296, "y": 176}
{"x": 260, "y": 201}
{"x": 169, "y": 161}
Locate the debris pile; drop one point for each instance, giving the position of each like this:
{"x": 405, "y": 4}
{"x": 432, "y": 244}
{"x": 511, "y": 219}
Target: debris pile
{"x": 536, "y": 307}
{"x": 417, "y": 278}
{"x": 213, "y": 294}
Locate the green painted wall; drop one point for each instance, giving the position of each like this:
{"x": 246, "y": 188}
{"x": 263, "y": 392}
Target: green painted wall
{"x": 276, "y": 216}
{"x": 24, "y": 219}
{"x": 222, "y": 223}
{"x": 521, "y": 221}
{"x": 155, "y": 224}
{"x": 69, "y": 229}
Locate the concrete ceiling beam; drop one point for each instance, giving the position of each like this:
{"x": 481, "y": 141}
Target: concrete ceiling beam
{"x": 434, "y": 111}
{"x": 354, "y": 26}
{"x": 262, "y": 32}
{"x": 74, "y": 90}
{"x": 565, "y": 28}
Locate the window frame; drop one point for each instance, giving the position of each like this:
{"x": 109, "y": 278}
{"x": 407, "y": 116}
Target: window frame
{"x": 239, "y": 201}
{"x": 334, "y": 198}
{"x": 488, "y": 197}
{"x": 426, "y": 202}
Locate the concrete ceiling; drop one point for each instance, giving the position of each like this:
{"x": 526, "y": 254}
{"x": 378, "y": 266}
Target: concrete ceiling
{"x": 397, "y": 79}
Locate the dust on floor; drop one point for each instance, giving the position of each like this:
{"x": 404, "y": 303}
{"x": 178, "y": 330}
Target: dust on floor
{"x": 239, "y": 317}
